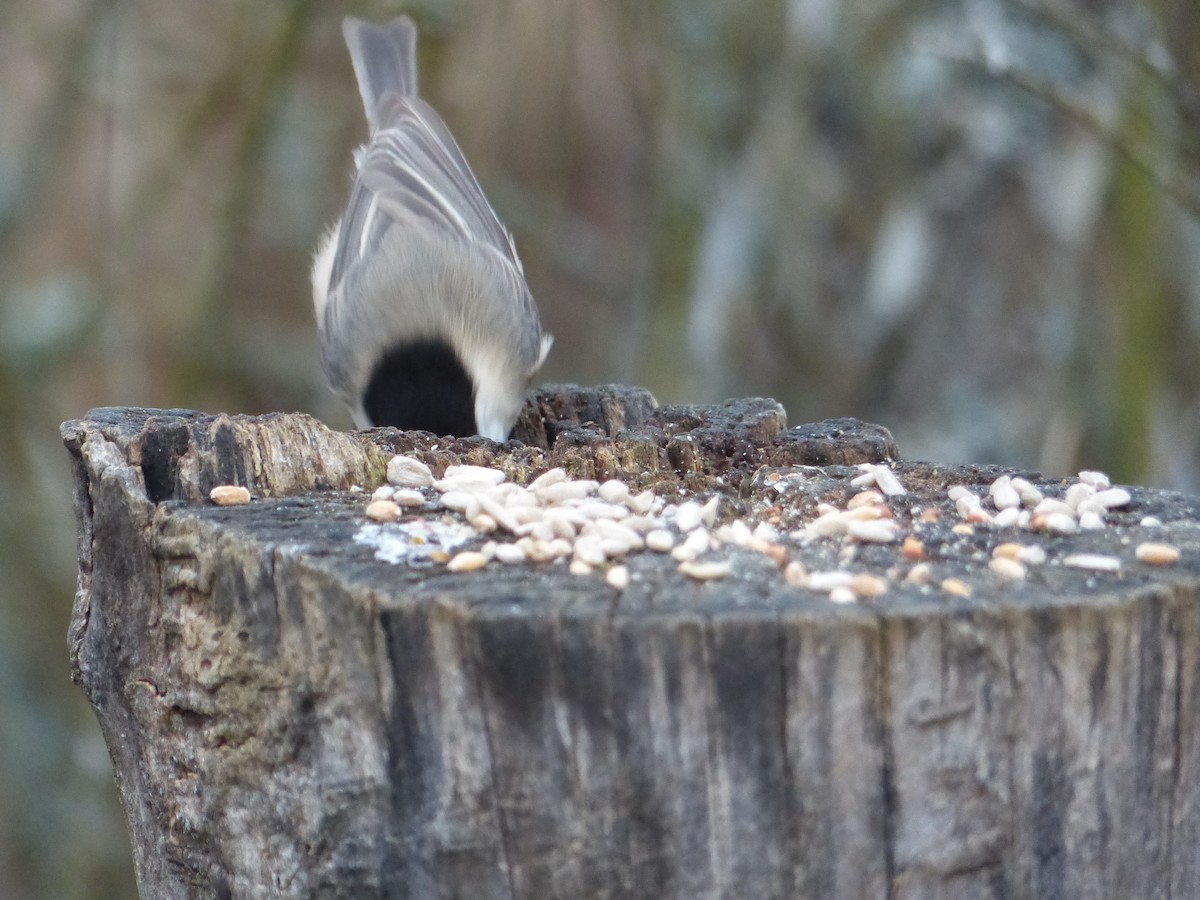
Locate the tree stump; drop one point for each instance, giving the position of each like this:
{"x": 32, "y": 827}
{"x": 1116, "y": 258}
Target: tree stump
{"x": 288, "y": 715}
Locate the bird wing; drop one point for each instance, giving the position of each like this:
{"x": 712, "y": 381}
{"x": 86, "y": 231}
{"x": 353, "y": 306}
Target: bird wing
{"x": 412, "y": 175}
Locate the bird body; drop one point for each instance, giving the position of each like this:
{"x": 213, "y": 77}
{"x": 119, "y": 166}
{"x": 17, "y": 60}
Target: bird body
{"x": 425, "y": 318}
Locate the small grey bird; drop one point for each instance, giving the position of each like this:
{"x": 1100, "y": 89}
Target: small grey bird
{"x": 424, "y": 316}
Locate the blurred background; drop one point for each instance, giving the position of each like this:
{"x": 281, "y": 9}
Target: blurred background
{"x": 977, "y": 223}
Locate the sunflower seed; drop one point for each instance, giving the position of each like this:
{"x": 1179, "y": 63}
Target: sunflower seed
{"x": 406, "y": 472}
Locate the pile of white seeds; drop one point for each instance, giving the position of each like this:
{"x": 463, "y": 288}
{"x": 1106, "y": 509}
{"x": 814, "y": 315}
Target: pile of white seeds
{"x": 594, "y": 526}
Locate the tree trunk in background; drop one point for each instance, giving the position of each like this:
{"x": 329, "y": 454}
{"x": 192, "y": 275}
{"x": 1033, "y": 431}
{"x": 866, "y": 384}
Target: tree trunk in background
{"x": 289, "y": 716}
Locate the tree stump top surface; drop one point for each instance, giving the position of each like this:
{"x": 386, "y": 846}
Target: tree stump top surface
{"x": 300, "y": 475}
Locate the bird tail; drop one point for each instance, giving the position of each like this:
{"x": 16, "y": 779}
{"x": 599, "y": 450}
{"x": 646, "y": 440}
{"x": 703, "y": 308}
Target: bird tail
{"x": 385, "y": 59}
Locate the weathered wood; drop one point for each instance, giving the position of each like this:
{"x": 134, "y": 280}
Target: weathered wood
{"x": 289, "y": 716}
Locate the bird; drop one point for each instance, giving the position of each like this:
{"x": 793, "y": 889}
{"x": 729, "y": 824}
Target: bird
{"x": 424, "y": 317}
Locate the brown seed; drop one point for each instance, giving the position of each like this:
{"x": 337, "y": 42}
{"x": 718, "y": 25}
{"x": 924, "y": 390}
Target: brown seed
{"x": 383, "y": 511}
{"x": 957, "y": 587}
{"x": 229, "y": 495}
{"x": 467, "y": 561}
{"x": 795, "y": 574}
{"x": 1157, "y": 554}
{"x": 912, "y": 548}
{"x": 865, "y": 586}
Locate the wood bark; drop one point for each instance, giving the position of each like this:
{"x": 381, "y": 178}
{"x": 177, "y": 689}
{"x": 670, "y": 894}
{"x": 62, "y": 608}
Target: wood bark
{"x": 289, "y": 716}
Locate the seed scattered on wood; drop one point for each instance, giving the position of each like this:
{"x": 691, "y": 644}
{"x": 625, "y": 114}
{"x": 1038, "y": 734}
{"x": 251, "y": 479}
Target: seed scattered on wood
{"x": 842, "y": 595}
{"x": 796, "y": 574}
{"x": 660, "y": 540}
{"x": 547, "y": 478}
{"x": 1091, "y": 521}
{"x": 866, "y": 586}
{"x": 962, "y": 529}
{"x": 1056, "y": 522}
{"x": 1007, "y": 569}
{"x": 864, "y": 498}
{"x": 467, "y": 561}
{"x": 617, "y": 577}
{"x": 1097, "y": 480}
{"x": 696, "y": 543}
{"x": 1113, "y": 498}
{"x": 229, "y": 495}
{"x": 957, "y": 587}
{"x": 483, "y": 523}
{"x": 1003, "y": 494}
{"x": 566, "y": 490}
{"x": 640, "y": 504}
{"x": 688, "y": 516}
{"x": 1008, "y": 518}
{"x": 827, "y": 581}
{"x": 589, "y": 550}
{"x": 613, "y": 491}
{"x": 880, "y": 531}
{"x": 1051, "y": 506}
{"x": 912, "y": 548}
{"x": 406, "y": 472}
{"x": 407, "y": 497}
{"x": 704, "y": 571}
{"x": 1096, "y": 562}
{"x": 383, "y": 511}
{"x": 1032, "y": 555}
{"x": 1153, "y": 554}
{"x": 510, "y": 554}
{"x": 1078, "y": 493}
{"x": 1030, "y": 496}
{"x": 383, "y": 492}
{"x": 888, "y": 482}
{"x": 920, "y": 574}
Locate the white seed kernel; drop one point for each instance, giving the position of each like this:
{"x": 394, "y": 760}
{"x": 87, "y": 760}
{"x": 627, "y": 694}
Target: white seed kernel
{"x": 881, "y": 531}
{"x": 613, "y": 491}
{"x": 1007, "y": 569}
{"x": 406, "y": 472}
{"x": 704, "y": 571}
{"x": 547, "y": 478}
{"x": 1096, "y": 562}
{"x": 408, "y": 497}
{"x": 510, "y": 554}
{"x": 660, "y": 540}
{"x": 617, "y": 578}
{"x": 842, "y": 595}
{"x": 1113, "y": 497}
{"x": 795, "y": 574}
{"x": 1097, "y": 480}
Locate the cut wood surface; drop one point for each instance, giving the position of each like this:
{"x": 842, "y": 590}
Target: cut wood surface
{"x": 291, "y": 716}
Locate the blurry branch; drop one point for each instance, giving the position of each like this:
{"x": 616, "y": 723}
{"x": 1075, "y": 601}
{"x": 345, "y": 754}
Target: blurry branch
{"x": 46, "y": 143}
{"x": 239, "y": 198}
{"x": 1177, "y": 177}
